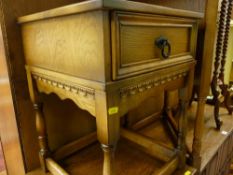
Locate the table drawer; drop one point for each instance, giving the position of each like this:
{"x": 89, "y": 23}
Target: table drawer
{"x": 135, "y": 38}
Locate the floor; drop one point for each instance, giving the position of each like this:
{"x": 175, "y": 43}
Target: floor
{"x": 132, "y": 161}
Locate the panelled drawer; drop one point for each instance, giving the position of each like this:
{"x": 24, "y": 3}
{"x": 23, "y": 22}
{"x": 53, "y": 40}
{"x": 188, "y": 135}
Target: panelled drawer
{"x": 134, "y": 37}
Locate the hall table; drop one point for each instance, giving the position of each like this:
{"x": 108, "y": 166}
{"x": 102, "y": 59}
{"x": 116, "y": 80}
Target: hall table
{"x": 107, "y": 56}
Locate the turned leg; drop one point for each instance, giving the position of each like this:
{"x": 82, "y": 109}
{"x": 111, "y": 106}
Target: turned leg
{"x": 108, "y": 130}
{"x": 109, "y": 157}
{"x": 169, "y": 108}
{"x": 40, "y": 121}
{"x": 169, "y": 119}
{"x": 42, "y": 135}
{"x": 183, "y": 95}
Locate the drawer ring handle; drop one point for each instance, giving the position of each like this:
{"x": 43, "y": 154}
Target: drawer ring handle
{"x": 163, "y": 44}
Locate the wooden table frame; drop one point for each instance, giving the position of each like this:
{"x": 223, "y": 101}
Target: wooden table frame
{"x": 108, "y": 103}
{"x": 113, "y": 87}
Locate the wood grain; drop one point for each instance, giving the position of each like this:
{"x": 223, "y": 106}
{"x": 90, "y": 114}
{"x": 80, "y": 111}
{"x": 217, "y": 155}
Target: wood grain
{"x": 131, "y": 31}
{"x": 74, "y": 146}
{"x": 124, "y": 164}
{"x": 149, "y": 146}
{"x": 74, "y": 37}
{"x": 148, "y": 35}
{"x": 108, "y": 4}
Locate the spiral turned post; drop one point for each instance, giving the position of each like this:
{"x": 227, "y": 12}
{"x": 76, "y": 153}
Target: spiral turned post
{"x": 224, "y": 87}
{"x": 225, "y": 41}
{"x": 220, "y": 37}
{"x": 214, "y": 83}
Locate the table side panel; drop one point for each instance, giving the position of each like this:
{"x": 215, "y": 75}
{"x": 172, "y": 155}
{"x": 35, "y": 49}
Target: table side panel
{"x": 72, "y": 45}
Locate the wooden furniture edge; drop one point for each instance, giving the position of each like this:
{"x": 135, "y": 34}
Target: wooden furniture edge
{"x": 206, "y": 71}
{"x": 108, "y": 4}
{"x": 147, "y": 120}
{"x": 148, "y": 145}
{"x": 65, "y": 77}
{"x": 169, "y": 167}
{"x": 55, "y": 168}
{"x": 74, "y": 146}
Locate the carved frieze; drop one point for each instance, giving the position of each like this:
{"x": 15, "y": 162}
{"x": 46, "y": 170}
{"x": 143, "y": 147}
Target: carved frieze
{"x": 77, "y": 89}
{"x": 143, "y": 86}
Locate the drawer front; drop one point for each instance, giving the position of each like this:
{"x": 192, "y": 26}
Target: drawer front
{"x": 134, "y": 42}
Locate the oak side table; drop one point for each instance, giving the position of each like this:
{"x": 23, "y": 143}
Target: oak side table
{"x": 107, "y": 56}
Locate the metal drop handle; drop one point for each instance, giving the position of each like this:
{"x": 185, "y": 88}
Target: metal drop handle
{"x": 163, "y": 44}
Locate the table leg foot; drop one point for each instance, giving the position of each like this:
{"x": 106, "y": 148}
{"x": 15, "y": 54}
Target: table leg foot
{"x": 109, "y": 158}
